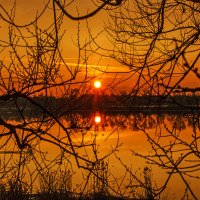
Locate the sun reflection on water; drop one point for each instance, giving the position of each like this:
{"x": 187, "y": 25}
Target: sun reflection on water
{"x": 97, "y": 119}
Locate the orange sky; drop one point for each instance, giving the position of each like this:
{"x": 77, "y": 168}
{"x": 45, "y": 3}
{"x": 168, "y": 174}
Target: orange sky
{"x": 26, "y": 12}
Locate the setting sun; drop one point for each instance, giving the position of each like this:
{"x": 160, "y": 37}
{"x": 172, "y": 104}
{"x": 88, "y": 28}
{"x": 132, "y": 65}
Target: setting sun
{"x": 97, "y": 84}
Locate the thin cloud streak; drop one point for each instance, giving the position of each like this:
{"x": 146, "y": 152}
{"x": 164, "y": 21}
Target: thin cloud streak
{"x": 100, "y": 68}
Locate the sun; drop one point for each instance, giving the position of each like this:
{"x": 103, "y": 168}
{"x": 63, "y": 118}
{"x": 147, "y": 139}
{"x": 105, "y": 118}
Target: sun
{"x": 97, "y": 84}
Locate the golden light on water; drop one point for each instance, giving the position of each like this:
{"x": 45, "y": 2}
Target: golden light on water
{"x": 97, "y": 119}
{"x": 97, "y": 84}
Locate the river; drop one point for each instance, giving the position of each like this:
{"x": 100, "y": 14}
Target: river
{"x": 133, "y": 154}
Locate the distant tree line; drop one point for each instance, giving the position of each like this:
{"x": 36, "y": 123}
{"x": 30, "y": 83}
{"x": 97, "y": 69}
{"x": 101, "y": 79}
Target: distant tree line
{"x": 104, "y": 103}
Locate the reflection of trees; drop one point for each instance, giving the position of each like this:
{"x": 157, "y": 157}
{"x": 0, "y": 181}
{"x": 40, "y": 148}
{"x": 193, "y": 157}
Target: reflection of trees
{"x": 140, "y": 121}
{"x": 121, "y": 121}
{"x": 137, "y": 121}
{"x": 178, "y": 122}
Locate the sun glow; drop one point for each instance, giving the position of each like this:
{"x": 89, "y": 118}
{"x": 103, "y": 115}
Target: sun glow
{"x": 97, "y": 84}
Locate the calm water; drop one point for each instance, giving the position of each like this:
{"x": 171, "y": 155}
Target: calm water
{"x": 167, "y": 144}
